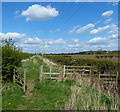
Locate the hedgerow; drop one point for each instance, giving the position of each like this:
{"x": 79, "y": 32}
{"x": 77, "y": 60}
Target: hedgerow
{"x": 101, "y": 65}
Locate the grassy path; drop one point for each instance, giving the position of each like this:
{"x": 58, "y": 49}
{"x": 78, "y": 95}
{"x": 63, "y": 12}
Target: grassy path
{"x": 47, "y": 95}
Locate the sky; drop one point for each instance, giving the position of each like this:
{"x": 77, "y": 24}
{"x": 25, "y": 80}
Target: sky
{"x": 61, "y": 27}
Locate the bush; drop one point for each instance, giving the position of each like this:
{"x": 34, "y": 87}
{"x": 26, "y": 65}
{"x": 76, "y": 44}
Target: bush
{"x": 11, "y": 58}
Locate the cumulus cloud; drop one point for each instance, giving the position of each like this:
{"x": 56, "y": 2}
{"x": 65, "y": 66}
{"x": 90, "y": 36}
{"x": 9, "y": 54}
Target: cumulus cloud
{"x": 112, "y": 39}
{"x": 102, "y": 29}
{"x": 13, "y": 35}
{"x": 107, "y": 13}
{"x": 79, "y": 30}
{"x": 106, "y": 43}
{"x": 38, "y": 12}
{"x": 108, "y": 21}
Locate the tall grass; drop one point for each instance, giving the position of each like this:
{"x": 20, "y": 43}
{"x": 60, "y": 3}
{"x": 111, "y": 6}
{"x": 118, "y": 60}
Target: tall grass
{"x": 87, "y": 95}
{"x": 87, "y": 98}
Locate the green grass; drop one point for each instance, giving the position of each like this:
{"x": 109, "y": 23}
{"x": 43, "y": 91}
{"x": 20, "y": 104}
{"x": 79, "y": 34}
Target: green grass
{"x": 50, "y": 95}
{"x": 12, "y": 97}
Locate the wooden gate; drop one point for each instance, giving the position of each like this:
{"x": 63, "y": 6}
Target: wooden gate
{"x": 49, "y": 71}
{"x": 52, "y": 71}
{"x": 20, "y": 79}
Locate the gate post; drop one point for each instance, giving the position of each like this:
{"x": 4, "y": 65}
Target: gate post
{"x": 50, "y": 70}
{"x": 63, "y": 71}
{"x": 41, "y": 73}
{"x": 24, "y": 86}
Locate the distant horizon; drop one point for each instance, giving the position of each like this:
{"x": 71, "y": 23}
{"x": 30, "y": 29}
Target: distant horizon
{"x": 75, "y": 52}
{"x": 61, "y": 27}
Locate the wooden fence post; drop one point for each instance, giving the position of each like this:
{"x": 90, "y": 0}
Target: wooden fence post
{"x": 41, "y": 73}
{"x": 24, "y": 87}
{"x": 64, "y": 72}
{"x": 50, "y": 70}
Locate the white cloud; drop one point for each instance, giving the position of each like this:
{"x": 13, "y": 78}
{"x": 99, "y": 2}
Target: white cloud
{"x": 38, "y": 12}
{"x": 78, "y": 30}
{"x": 32, "y": 41}
{"x": 114, "y": 36}
{"x": 102, "y": 29}
{"x": 57, "y": 41}
{"x": 108, "y": 21}
{"x": 13, "y": 35}
{"x": 103, "y": 40}
{"x": 107, "y": 13}
{"x": 97, "y": 40}
{"x": 61, "y": 45}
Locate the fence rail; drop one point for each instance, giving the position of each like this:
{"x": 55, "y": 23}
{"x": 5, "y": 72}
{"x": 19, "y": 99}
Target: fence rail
{"x": 108, "y": 78}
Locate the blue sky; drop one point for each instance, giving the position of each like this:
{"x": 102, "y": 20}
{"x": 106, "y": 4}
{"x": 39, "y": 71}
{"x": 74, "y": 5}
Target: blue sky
{"x": 61, "y": 27}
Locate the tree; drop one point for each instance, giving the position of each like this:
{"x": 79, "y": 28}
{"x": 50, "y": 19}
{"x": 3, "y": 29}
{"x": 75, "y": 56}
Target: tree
{"x": 11, "y": 58}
